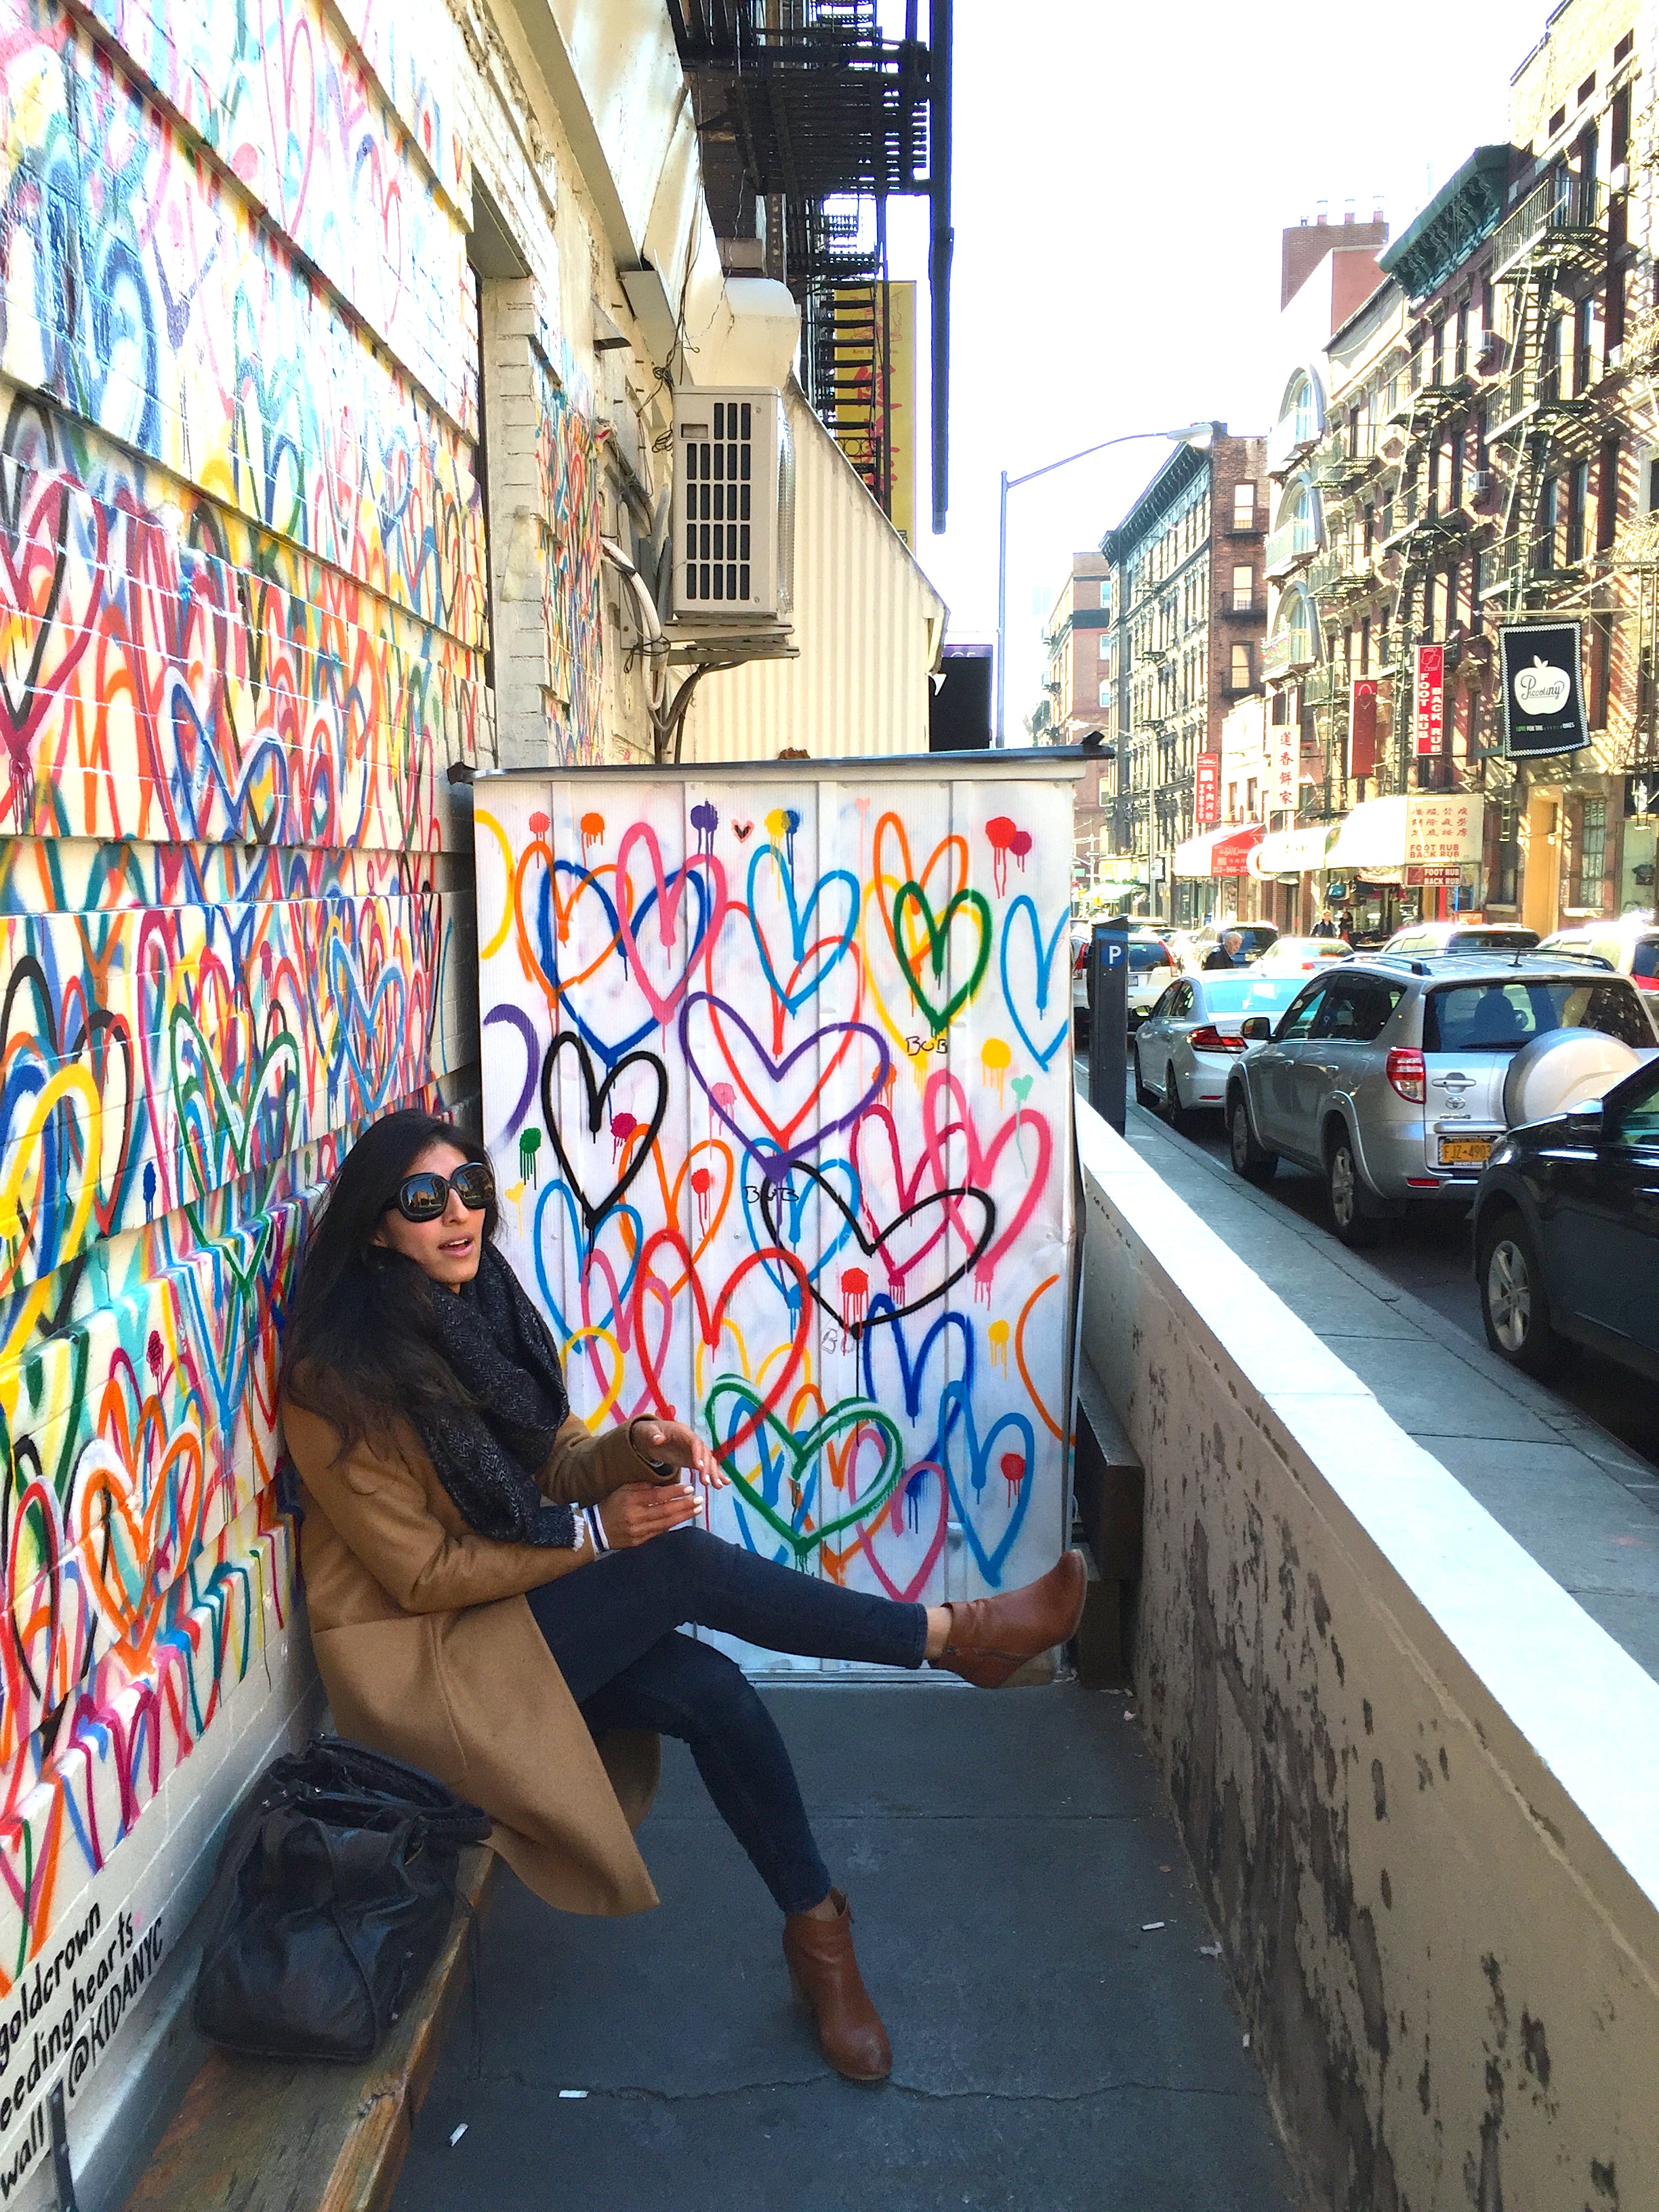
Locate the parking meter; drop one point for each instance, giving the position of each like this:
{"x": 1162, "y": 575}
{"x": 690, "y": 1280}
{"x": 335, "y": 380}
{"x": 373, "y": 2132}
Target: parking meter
{"x": 1108, "y": 1018}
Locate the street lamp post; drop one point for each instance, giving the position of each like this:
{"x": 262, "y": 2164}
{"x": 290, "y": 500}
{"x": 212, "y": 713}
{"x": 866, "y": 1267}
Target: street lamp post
{"x": 1194, "y": 434}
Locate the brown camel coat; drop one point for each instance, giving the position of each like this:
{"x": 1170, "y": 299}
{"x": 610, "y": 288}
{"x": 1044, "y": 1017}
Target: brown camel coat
{"x": 429, "y": 1651}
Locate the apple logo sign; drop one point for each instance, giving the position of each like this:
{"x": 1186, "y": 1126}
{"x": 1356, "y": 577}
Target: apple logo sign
{"x": 1541, "y": 689}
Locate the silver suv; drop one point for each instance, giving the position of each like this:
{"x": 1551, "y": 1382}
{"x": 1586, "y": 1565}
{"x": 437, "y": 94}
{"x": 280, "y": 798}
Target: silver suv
{"x": 1386, "y": 1074}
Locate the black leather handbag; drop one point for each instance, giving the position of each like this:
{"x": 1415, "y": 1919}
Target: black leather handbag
{"x": 333, "y": 1894}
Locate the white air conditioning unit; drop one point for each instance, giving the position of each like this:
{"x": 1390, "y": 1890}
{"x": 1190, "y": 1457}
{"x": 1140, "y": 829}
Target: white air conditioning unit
{"x": 1480, "y": 483}
{"x": 730, "y": 492}
{"x": 1488, "y": 345}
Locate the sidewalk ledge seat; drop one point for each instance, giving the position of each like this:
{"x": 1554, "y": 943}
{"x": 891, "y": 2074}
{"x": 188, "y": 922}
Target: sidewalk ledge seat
{"x": 270, "y": 2135}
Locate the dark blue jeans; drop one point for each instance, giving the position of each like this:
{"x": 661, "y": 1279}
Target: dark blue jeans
{"x": 611, "y": 1625}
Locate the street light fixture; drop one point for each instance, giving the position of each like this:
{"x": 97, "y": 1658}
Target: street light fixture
{"x": 1197, "y": 434}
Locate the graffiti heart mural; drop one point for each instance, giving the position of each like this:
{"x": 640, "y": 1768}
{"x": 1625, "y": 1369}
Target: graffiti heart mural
{"x": 777, "y": 1078}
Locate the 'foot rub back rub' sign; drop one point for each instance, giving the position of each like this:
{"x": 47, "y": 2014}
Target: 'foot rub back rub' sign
{"x": 778, "y": 1085}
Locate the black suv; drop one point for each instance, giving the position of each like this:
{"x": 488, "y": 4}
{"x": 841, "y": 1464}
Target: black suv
{"x": 1566, "y": 1232}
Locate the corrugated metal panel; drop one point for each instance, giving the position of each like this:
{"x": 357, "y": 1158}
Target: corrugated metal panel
{"x": 868, "y": 623}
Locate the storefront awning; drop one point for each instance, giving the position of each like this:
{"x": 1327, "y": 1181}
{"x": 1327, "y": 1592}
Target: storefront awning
{"x": 1418, "y": 830}
{"x": 1218, "y": 852}
{"x": 1291, "y": 852}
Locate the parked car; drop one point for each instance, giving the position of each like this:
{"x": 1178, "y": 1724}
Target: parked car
{"x": 1184, "y": 1047}
{"x": 1462, "y": 937}
{"x": 1629, "y": 948}
{"x": 1302, "y": 956}
{"x": 1386, "y": 1074}
{"x": 1566, "y": 1232}
{"x": 1152, "y": 967}
{"x": 1257, "y": 936}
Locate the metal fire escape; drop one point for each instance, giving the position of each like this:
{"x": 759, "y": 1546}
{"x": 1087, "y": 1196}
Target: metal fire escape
{"x": 810, "y": 121}
{"x": 1556, "y": 231}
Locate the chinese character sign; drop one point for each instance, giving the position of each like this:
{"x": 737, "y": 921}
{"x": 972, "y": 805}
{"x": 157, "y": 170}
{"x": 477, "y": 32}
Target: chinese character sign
{"x": 1285, "y": 744}
{"x": 778, "y": 1083}
{"x": 1206, "y": 792}
{"x": 1431, "y": 696}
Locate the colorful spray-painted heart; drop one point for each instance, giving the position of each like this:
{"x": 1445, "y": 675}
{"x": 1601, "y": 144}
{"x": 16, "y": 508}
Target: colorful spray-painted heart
{"x": 770, "y": 1088}
{"x": 663, "y": 956}
{"x": 715, "y": 1320}
{"x": 809, "y": 962}
{"x": 630, "y": 1150}
{"x": 788, "y": 1202}
{"x": 795, "y": 1460}
{"x": 930, "y": 963}
{"x": 1041, "y": 1042}
{"x": 900, "y": 1253}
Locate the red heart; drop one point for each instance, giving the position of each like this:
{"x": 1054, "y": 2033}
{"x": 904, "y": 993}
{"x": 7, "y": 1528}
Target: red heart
{"x": 712, "y": 1321}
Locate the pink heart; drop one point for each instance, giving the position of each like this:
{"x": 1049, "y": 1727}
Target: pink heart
{"x": 663, "y": 923}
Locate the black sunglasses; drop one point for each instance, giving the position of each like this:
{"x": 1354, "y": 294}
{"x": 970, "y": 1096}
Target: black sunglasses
{"x": 423, "y": 1197}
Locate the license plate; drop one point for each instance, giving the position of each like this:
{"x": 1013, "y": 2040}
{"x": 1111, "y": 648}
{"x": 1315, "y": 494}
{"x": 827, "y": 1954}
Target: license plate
{"x": 1465, "y": 1151}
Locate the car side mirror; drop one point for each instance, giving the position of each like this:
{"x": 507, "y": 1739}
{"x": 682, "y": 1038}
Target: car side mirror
{"x": 1254, "y": 1027}
{"x": 1587, "y": 1120}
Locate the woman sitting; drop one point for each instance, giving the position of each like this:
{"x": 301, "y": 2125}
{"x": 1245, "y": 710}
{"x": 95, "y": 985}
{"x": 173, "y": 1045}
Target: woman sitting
{"x": 495, "y": 1594}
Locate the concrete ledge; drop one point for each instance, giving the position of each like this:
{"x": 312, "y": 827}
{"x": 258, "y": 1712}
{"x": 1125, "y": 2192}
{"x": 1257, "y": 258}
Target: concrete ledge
{"x": 1419, "y": 1785}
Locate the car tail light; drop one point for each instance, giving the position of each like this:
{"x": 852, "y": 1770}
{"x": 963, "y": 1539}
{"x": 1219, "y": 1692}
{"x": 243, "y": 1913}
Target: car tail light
{"x": 1210, "y": 1039}
{"x": 1408, "y": 1074}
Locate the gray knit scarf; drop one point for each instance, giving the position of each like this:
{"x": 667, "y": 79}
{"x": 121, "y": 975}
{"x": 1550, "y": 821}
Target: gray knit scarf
{"x": 487, "y": 1454}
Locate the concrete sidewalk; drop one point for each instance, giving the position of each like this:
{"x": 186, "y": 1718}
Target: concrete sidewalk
{"x": 1581, "y": 1502}
{"x": 1054, "y": 2054}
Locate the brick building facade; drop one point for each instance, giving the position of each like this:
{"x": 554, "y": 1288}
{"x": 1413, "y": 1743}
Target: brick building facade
{"x": 1188, "y": 613}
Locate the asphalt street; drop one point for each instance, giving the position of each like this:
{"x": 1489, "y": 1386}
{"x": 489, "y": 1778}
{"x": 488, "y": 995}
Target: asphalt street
{"x": 1572, "y": 1470}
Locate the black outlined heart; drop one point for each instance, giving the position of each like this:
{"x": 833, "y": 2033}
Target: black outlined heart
{"x": 870, "y": 1245}
{"x": 597, "y": 1093}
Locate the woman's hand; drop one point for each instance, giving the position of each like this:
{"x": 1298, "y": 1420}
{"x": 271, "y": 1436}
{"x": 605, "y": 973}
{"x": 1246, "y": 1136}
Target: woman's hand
{"x": 671, "y": 1442}
{"x": 640, "y": 1511}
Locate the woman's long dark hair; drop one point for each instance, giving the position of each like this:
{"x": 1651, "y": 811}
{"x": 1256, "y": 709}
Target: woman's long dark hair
{"x": 359, "y": 1347}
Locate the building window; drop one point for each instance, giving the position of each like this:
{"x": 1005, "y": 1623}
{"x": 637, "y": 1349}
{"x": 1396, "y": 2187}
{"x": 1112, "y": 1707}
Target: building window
{"x": 1619, "y": 127}
{"x": 1243, "y": 588}
{"x": 1364, "y": 645}
{"x": 1577, "y": 502}
{"x": 1581, "y": 348}
{"x": 1244, "y": 507}
{"x": 1106, "y": 595}
{"x": 1252, "y": 799}
{"x": 1461, "y": 357}
{"x": 1105, "y": 645}
{"x": 1589, "y": 859}
{"x": 1241, "y": 675}
{"x": 1549, "y": 515}
{"x": 1105, "y": 693}
{"x": 1598, "y": 642}
{"x": 1607, "y": 494}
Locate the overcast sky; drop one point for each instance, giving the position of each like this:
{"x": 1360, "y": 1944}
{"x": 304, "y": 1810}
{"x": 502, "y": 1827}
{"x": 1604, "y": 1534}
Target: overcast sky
{"x": 1121, "y": 178}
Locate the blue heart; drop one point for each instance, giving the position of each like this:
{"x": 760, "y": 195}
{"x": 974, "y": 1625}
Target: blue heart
{"x": 547, "y": 947}
{"x": 956, "y": 1411}
{"x": 1044, "y": 953}
{"x": 790, "y": 1209}
{"x": 563, "y": 1329}
{"x": 891, "y": 1332}
{"x": 798, "y": 920}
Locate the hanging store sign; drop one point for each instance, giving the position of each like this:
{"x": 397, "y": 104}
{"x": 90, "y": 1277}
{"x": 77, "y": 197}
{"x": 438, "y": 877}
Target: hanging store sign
{"x": 1206, "y": 792}
{"x": 1543, "y": 690}
{"x": 1284, "y": 766}
{"x": 1430, "y": 715}
{"x": 1362, "y": 727}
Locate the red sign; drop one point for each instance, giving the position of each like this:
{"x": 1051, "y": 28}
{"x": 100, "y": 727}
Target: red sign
{"x": 1230, "y": 856}
{"x": 1430, "y": 698}
{"x": 1418, "y": 876}
{"x": 1207, "y": 795}
{"x": 1362, "y": 727}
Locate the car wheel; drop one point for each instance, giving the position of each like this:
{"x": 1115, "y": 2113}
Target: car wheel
{"x": 1514, "y": 1303}
{"x": 1344, "y": 1188}
{"x": 1251, "y": 1160}
{"x": 1170, "y": 1106}
{"x": 1145, "y": 1095}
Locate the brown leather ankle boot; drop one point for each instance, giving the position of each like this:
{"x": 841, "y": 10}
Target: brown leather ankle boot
{"x": 828, "y": 1984}
{"x": 991, "y": 1638}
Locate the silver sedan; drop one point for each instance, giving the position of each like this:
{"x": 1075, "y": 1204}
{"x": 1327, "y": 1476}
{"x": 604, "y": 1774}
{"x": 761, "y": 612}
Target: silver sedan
{"x": 1190, "y": 1039}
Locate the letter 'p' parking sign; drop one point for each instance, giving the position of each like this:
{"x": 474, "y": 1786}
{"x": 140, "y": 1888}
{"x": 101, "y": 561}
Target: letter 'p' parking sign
{"x": 1543, "y": 690}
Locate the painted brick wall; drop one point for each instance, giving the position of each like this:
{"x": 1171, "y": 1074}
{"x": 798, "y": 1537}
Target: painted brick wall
{"x": 243, "y": 619}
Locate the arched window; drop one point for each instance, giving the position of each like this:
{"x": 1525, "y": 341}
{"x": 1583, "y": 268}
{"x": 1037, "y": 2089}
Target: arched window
{"x": 1295, "y": 631}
